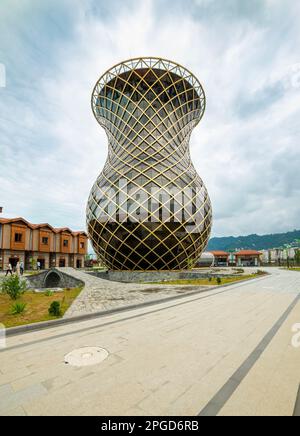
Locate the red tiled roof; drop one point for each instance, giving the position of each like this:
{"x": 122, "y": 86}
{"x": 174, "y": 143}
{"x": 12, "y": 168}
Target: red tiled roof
{"x": 248, "y": 253}
{"x": 37, "y": 226}
{"x": 219, "y": 253}
{"x": 63, "y": 229}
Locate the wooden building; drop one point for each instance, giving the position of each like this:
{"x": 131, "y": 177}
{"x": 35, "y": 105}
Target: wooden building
{"x": 33, "y": 243}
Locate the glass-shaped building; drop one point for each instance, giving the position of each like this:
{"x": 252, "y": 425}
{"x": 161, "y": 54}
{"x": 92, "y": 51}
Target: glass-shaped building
{"x": 148, "y": 209}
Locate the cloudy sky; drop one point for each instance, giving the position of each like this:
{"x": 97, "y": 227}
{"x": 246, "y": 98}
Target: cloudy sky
{"x": 246, "y": 148}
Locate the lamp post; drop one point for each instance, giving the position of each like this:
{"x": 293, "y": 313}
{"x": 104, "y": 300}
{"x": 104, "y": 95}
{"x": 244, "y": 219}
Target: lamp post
{"x": 287, "y": 246}
{"x": 297, "y": 252}
{"x": 1, "y": 210}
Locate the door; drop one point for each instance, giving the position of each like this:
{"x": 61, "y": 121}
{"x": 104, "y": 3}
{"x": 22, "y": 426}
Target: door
{"x": 13, "y": 261}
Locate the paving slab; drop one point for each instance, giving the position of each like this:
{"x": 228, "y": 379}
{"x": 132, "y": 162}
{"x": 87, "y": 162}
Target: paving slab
{"x": 172, "y": 358}
{"x": 100, "y": 294}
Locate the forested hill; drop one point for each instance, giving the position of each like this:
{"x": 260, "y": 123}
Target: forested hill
{"x": 255, "y": 242}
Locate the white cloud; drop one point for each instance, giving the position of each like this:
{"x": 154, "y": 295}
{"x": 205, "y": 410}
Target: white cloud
{"x": 52, "y": 149}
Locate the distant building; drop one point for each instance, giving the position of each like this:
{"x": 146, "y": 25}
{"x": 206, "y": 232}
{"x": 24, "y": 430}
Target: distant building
{"x": 32, "y": 243}
{"x": 206, "y": 259}
{"x": 279, "y": 256}
{"x": 221, "y": 258}
{"x": 239, "y": 258}
{"x": 247, "y": 258}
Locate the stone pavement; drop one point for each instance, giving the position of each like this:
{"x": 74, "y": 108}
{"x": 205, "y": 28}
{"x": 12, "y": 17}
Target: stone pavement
{"x": 226, "y": 351}
{"x": 99, "y": 294}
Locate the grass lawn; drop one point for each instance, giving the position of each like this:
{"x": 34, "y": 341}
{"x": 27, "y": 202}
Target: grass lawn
{"x": 293, "y": 269}
{"x": 37, "y": 305}
{"x": 212, "y": 282}
{"x": 32, "y": 273}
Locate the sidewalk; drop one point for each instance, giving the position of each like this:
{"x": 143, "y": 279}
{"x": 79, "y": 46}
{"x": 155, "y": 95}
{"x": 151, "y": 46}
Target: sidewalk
{"x": 168, "y": 359}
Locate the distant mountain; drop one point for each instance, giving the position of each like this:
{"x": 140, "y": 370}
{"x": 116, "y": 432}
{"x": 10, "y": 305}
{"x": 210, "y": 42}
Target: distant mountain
{"x": 254, "y": 242}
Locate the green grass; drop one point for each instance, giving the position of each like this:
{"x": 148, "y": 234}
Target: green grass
{"x": 212, "y": 282}
{"x": 37, "y": 305}
{"x": 32, "y": 273}
{"x": 293, "y": 268}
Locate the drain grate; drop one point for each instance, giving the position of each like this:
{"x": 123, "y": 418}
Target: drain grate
{"x": 86, "y": 356}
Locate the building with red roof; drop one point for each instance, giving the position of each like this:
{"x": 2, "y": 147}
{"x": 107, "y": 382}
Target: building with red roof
{"x": 31, "y": 244}
{"x": 221, "y": 257}
{"x": 239, "y": 258}
{"x": 248, "y": 258}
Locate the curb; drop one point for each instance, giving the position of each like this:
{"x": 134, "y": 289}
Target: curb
{"x": 14, "y": 331}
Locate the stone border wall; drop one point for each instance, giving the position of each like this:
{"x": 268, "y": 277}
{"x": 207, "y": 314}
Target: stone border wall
{"x": 155, "y": 276}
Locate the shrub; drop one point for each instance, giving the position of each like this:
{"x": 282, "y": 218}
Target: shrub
{"x": 297, "y": 257}
{"x": 17, "y": 308}
{"x": 219, "y": 280}
{"x": 54, "y": 308}
{"x": 13, "y": 286}
{"x": 33, "y": 263}
{"x": 239, "y": 270}
{"x": 190, "y": 263}
{"x": 49, "y": 293}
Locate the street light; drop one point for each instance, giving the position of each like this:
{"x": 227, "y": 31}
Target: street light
{"x": 287, "y": 246}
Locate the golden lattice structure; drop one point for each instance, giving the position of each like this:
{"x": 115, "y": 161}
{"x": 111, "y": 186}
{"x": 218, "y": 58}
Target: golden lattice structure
{"x": 148, "y": 209}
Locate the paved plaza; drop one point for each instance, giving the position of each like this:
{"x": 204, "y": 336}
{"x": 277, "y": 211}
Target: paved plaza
{"x": 220, "y": 352}
{"x": 99, "y": 294}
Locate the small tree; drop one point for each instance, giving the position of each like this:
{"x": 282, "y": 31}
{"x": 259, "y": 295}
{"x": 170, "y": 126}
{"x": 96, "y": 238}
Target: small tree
{"x": 13, "y": 286}
{"x": 33, "y": 263}
{"x": 54, "y": 308}
{"x": 190, "y": 263}
{"x": 297, "y": 257}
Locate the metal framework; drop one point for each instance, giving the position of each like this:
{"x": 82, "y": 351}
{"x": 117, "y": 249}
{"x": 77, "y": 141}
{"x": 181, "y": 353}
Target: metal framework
{"x": 148, "y": 209}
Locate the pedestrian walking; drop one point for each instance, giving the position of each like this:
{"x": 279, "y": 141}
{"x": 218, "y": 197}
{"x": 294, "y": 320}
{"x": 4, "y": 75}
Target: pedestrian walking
{"x": 21, "y": 268}
{"x": 18, "y": 271}
{"x": 8, "y": 269}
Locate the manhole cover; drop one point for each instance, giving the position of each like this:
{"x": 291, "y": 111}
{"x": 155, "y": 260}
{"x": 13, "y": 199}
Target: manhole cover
{"x": 86, "y": 356}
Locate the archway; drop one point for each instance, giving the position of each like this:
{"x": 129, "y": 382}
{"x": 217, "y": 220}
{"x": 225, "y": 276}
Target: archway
{"x": 53, "y": 280}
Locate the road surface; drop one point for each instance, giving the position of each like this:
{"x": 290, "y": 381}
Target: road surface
{"x": 222, "y": 352}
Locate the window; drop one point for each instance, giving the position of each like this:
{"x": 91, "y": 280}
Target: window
{"x": 45, "y": 240}
{"x": 82, "y": 245}
{"x": 18, "y": 237}
{"x": 66, "y": 243}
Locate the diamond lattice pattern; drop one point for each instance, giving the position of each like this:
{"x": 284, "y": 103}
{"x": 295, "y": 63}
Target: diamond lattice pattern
{"x": 148, "y": 209}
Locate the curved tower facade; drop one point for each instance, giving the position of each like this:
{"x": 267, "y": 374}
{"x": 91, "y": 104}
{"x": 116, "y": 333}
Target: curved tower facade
{"x": 148, "y": 209}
